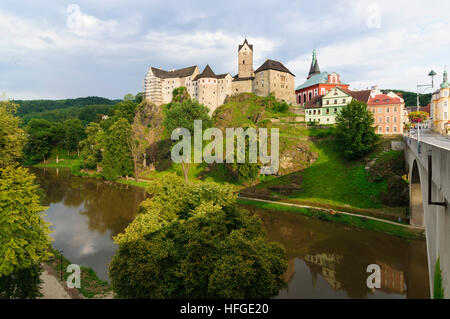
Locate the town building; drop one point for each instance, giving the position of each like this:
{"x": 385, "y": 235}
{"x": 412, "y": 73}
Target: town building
{"x": 317, "y": 83}
{"x": 439, "y": 108}
{"x": 323, "y": 109}
{"x": 388, "y": 112}
{"x": 272, "y": 77}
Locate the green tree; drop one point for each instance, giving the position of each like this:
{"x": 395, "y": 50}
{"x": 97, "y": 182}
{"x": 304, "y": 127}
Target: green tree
{"x": 91, "y": 146}
{"x": 24, "y": 240}
{"x": 183, "y": 115}
{"x": 12, "y": 137}
{"x": 192, "y": 241}
{"x": 40, "y": 140}
{"x": 126, "y": 109}
{"x": 117, "y": 160}
{"x": 355, "y": 131}
{"x": 74, "y": 130}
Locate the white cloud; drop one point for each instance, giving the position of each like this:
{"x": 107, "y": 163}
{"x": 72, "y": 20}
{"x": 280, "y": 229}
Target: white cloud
{"x": 204, "y": 47}
{"x": 394, "y": 56}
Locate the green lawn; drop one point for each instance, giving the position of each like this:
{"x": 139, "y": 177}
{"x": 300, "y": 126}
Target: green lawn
{"x": 63, "y": 163}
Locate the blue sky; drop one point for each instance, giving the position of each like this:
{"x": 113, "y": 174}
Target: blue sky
{"x": 64, "y": 49}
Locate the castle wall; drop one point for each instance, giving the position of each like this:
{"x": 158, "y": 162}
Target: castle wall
{"x": 261, "y": 83}
{"x": 152, "y": 88}
{"x": 282, "y": 85}
{"x": 223, "y": 89}
{"x": 244, "y": 86}
{"x": 207, "y": 92}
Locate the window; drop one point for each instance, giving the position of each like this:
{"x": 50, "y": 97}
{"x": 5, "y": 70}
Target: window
{"x": 387, "y": 119}
{"x": 380, "y": 110}
{"x": 380, "y": 129}
{"x": 395, "y": 128}
{"x": 328, "y": 102}
{"x": 344, "y": 101}
{"x": 335, "y": 101}
{"x": 379, "y": 119}
{"x": 395, "y": 109}
{"x": 328, "y": 111}
{"x": 335, "y": 110}
{"x": 387, "y": 129}
{"x": 387, "y": 110}
{"x": 445, "y": 116}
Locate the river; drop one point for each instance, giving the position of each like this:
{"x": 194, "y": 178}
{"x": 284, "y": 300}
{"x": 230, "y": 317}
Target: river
{"x": 325, "y": 260}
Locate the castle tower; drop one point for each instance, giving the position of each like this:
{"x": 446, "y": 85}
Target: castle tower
{"x": 245, "y": 59}
{"x": 314, "y": 65}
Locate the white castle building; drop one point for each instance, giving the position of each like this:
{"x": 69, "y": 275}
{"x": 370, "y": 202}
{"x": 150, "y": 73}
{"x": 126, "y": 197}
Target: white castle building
{"x": 211, "y": 89}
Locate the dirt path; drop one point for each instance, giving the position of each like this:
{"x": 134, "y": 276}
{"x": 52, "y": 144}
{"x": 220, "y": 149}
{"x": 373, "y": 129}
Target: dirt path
{"x": 51, "y": 287}
{"x": 340, "y": 212}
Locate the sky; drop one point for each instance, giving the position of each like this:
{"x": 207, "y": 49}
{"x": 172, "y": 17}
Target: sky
{"x": 65, "y": 49}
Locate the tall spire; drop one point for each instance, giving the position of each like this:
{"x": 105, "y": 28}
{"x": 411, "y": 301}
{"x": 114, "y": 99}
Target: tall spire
{"x": 314, "y": 69}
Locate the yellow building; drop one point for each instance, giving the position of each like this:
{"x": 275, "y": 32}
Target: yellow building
{"x": 440, "y": 101}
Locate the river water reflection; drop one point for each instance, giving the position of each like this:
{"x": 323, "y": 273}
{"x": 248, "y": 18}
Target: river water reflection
{"x": 325, "y": 260}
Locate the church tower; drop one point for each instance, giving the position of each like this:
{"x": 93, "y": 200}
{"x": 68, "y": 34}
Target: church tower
{"x": 314, "y": 69}
{"x": 245, "y": 59}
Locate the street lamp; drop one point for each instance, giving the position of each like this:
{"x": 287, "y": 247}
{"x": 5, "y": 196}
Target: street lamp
{"x": 432, "y": 74}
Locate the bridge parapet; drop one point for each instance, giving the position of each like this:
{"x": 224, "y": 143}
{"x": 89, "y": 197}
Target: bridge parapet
{"x": 434, "y": 217}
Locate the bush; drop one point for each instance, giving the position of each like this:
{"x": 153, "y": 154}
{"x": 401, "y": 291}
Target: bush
{"x": 21, "y": 284}
{"x": 192, "y": 241}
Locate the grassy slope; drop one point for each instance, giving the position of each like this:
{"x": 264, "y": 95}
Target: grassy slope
{"x": 336, "y": 180}
{"x": 352, "y": 221}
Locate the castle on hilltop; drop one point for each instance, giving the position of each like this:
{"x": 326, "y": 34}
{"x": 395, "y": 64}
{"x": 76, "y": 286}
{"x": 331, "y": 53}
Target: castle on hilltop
{"x": 211, "y": 89}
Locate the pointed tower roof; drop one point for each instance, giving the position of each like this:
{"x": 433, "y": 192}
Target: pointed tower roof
{"x": 207, "y": 73}
{"x": 245, "y": 42}
{"x": 314, "y": 69}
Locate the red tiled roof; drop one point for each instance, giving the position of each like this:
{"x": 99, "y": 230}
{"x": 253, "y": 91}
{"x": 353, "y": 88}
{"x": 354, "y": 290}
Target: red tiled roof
{"x": 383, "y": 99}
{"x": 362, "y": 96}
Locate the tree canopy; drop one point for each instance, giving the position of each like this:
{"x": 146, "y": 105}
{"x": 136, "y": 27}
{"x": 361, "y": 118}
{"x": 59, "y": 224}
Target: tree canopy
{"x": 355, "y": 130}
{"x": 117, "y": 160}
{"x": 12, "y": 138}
{"x": 24, "y": 240}
{"x": 192, "y": 241}
{"x": 182, "y": 115}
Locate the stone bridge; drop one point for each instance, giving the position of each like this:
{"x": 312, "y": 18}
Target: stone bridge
{"x": 428, "y": 164}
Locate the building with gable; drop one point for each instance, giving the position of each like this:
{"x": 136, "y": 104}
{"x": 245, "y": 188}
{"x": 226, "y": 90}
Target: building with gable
{"x": 272, "y": 77}
{"x": 323, "y": 109}
{"x": 317, "y": 83}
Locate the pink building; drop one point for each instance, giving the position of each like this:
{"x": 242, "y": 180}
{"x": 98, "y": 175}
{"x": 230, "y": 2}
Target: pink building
{"x": 387, "y": 111}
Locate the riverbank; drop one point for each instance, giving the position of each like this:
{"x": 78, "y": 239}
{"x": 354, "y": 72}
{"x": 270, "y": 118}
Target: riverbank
{"x": 53, "y": 287}
{"x": 349, "y": 219}
{"x": 354, "y": 217}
